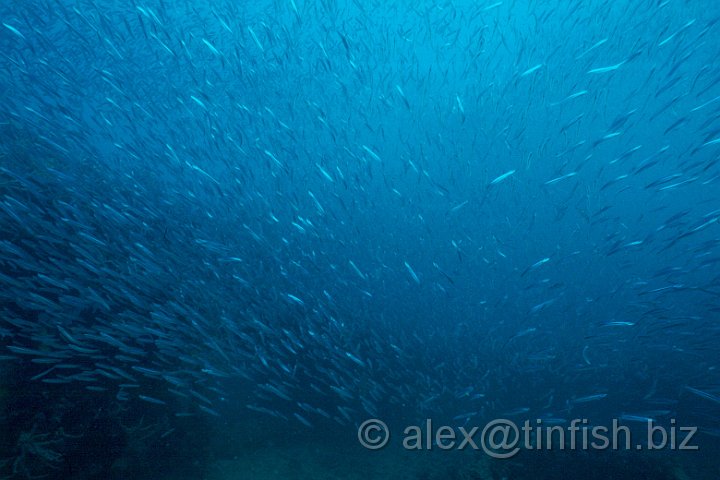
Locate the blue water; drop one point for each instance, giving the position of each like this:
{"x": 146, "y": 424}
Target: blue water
{"x": 239, "y": 230}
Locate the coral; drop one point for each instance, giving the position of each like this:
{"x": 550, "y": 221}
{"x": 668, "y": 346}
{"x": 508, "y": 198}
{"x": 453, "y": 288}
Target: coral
{"x": 37, "y": 453}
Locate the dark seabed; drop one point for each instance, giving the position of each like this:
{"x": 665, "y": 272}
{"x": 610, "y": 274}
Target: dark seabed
{"x": 334, "y": 239}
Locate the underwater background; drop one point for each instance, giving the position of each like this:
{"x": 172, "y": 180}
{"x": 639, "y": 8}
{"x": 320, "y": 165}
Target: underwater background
{"x": 233, "y": 232}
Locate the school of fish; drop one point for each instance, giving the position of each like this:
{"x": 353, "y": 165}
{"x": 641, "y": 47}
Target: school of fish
{"x": 345, "y": 210}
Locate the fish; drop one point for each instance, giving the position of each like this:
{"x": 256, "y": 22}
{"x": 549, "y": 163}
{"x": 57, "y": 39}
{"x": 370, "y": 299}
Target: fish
{"x": 14, "y": 30}
{"x": 609, "y": 68}
{"x": 502, "y": 177}
{"x": 152, "y": 400}
{"x": 589, "y": 398}
{"x": 412, "y": 273}
{"x": 532, "y": 70}
{"x": 703, "y": 394}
